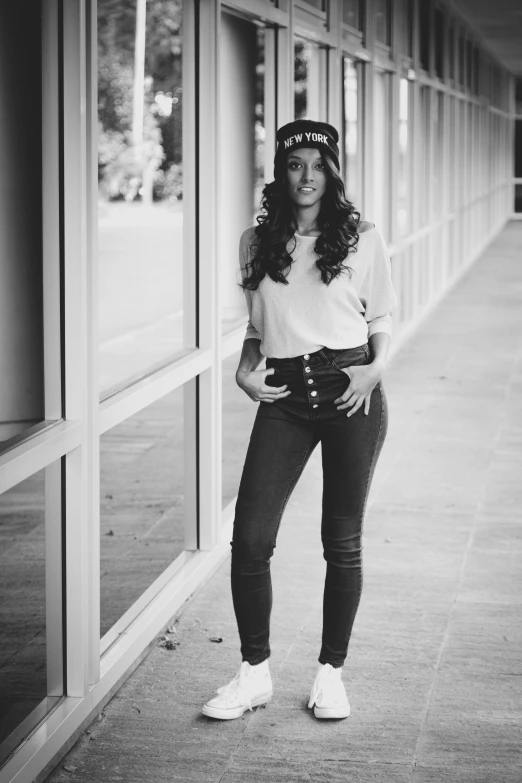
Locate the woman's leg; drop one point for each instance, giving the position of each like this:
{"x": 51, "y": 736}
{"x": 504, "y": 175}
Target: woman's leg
{"x": 278, "y": 451}
{"x": 350, "y": 449}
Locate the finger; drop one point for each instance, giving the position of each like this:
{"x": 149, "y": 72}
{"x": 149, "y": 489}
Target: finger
{"x": 356, "y": 407}
{"x": 343, "y": 397}
{"x": 366, "y": 405}
{"x": 274, "y": 389}
{"x": 348, "y": 401}
{"x": 273, "y": 397}
{"x": 269, "y": 392}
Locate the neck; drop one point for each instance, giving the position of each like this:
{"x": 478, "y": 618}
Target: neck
{"x": 306, "y": 219}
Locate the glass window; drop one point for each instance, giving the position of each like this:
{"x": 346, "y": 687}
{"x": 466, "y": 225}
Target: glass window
{"x": 320, "y": 4}
{"x": 518, "y": 148}
{"x": 381, "y": 141}
{"x": 142, "y": 486}
{"x": 403, "y": 195}
{"x": 21, "y": 268}
{"x": 352, "y": 13}
{"x": 424, "y": 10}
{"x": 462, "y": 59}
{"x": 409, "y": 31}
{"x": 438, "y": 24}
{"x": 425, "y": 96}
{"x": 242, "y": 148}
{"x": 239, "y": 412}
{"x": 452, "y": 151}
{"x": 518, "y": 96}
{"x": 451, "y": 51}
{"x": 352, "y": 137}
{"x": 28, "y": 686}
{"x": 476, "y": 70}
{"x": 518, "y": 197}
{"x": 469, "y": 65}
{"x": 438, "y": 154}
{"x": 309, "y": 80}
{"x": 140, "y": 165}
{"x": 382, "y": 21}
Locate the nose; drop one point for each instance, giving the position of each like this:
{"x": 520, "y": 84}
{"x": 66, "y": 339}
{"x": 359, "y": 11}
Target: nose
{"x": 307, "y": 174}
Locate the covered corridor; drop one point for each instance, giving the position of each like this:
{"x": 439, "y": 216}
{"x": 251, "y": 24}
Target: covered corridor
{"x": 434, "y": 672}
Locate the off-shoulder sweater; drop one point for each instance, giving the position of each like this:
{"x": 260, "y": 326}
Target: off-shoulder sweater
{"x": 306, "y": 314}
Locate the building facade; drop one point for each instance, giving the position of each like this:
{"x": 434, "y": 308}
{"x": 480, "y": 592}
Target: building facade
{"x": 122, "y": 433}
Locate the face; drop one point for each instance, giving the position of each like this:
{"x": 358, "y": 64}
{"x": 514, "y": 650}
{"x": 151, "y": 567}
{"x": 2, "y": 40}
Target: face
{"x": 307, "y": 177}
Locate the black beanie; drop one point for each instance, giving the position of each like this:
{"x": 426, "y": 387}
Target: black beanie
{"x": 306, "y": 133}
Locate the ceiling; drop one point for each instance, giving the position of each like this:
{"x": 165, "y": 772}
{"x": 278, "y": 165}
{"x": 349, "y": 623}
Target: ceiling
{"x": 498, "y": 23}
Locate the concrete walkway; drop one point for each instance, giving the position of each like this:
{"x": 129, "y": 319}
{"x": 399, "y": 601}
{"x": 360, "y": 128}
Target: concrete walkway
{"x": 434, "y": 672}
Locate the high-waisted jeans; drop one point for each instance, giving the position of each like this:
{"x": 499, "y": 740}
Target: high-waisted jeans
{"x": 283, "y": 437}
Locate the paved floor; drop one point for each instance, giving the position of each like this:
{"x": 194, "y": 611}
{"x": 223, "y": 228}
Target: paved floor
{"x": 434, "y": 672}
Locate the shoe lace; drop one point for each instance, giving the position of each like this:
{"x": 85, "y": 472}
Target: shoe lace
{"x": 237, "y": 688}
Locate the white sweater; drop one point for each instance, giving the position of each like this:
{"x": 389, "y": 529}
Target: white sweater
{"x": 306, "y": 314}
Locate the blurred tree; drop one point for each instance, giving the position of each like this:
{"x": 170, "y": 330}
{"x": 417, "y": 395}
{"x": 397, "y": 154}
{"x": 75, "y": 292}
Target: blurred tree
{"x": 163, "y": 77}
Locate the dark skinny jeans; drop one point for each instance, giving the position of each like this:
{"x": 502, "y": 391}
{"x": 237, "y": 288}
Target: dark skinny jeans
{"x": 283, "y": 437}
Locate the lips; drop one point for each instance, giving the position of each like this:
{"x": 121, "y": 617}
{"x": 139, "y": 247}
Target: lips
{"x": 306, "y": 190}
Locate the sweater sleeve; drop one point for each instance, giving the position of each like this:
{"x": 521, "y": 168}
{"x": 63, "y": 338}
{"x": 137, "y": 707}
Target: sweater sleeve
{"x": 244, "y": 257}
{"x": 378, "y": 291}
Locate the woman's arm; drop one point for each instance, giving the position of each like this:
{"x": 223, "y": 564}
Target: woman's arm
{"x": 252, "y": 380}
{"x": 251, "y": 356}
{"x": 379, "y": 343}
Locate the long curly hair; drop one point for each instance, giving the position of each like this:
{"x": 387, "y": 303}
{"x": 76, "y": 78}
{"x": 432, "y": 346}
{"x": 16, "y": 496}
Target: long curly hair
{"x": 338, "y": 222}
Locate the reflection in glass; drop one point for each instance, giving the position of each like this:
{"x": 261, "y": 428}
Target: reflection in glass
{"x": 381, "y": 144}
{"x": 452, "y": 151}
{"x": 142, "y": 503}
{"x": 320, "y": 4}
{"x": 352, "y": 13}
{"x": 425, "y": 96}
{"x": 403, "y": 188}
{"x": 382, "y": 21}
{"x": 451, "y": 51}
{"x": 259, "y": 138}
{"x": 438, "y": 30}
{"x": 23, "y": 649}
{"x": 241, "y": 151}
{"x": 351, "y": 132}
{"x": 438, "y": 152}
{"x": 140, "y": 167}
{"x": 309, "y": 80}
{"x": 21, "y": 286}
{"x": 518, "y": 198}
{"x": 239, "y": 412}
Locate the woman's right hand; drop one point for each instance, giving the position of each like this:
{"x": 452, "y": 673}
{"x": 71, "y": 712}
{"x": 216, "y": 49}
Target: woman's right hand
{"x": 253, "y": 383}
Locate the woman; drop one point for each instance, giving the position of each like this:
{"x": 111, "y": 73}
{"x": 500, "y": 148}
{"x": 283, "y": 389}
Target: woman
{"x": 324, "y": 327}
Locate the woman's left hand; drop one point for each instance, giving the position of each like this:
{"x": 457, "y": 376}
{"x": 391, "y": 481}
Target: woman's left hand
{"x": 363, "y": 379}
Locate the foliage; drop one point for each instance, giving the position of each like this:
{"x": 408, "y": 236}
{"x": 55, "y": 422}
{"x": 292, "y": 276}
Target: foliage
{"x": 124, "y": 163}
{"x": 121, "y": 166}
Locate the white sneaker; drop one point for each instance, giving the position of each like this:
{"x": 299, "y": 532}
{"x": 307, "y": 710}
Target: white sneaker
{"x": 328, "y": 696}
{"x": 251, "y": 687}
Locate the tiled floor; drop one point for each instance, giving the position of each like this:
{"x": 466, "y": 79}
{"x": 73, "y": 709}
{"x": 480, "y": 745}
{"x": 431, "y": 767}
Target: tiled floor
{"x": 434, "y": 672}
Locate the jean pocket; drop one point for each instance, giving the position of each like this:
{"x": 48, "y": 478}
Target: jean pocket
{"x": 351, "y": 357}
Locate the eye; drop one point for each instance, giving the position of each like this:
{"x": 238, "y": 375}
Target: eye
{"x": 293, "y": 164}
{"x": 320, "y": 166}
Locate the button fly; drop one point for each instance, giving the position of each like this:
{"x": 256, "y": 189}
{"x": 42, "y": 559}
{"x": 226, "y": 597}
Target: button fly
{"x": 307, "y": 369}
{"x": 314, "y": 394}
{"x": 310, "y": 380}
{"x": 306, "y": 356}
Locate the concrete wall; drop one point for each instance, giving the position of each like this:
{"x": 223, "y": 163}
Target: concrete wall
{"x": 21, "y": 333}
